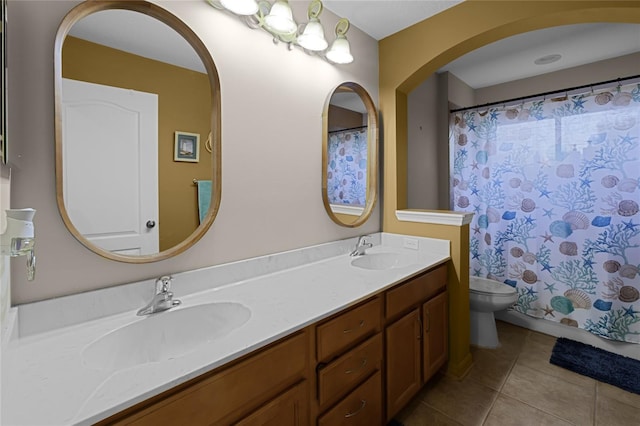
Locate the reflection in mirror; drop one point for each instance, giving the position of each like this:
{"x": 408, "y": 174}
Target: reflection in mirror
{"x": 349, "y": 164}
{"x": 137, "y": 131}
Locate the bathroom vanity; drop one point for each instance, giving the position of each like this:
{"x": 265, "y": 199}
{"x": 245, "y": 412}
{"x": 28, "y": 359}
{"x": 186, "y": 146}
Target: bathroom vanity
{"x": 332, "y": 370}
{"x": 330, "y": 339}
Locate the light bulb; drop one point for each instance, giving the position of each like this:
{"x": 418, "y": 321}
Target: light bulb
{"x": 240, "y": 7}
{"x": 340, "y": 52}
{"x": 280, "y": 18}
{"x": 312, "y": 37}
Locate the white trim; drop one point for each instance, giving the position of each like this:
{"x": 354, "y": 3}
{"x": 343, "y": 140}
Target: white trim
{"x": 347, "y": 209}
{"x": 435, "y": 217}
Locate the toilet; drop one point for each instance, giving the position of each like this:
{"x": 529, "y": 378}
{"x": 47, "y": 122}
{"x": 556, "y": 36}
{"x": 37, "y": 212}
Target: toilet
{"x": 486, "y": 297}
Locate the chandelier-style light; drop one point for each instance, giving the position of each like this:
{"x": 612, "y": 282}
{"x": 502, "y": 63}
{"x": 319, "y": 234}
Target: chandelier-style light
{"x": 277, "y": 20}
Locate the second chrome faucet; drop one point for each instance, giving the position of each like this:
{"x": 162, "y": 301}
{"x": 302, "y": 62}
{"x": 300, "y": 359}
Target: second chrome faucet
{"x": 162, "y": 299}
{"x": 361, "y": 246}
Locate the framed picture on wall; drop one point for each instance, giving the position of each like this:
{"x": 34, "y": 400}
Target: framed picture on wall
{"x": 186, "y": 147}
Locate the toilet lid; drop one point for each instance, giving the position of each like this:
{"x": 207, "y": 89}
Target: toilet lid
{"x": 483, "y": 285}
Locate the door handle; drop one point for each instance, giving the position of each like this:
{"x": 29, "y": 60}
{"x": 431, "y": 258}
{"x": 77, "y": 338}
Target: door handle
{"x": 151, "y": 224}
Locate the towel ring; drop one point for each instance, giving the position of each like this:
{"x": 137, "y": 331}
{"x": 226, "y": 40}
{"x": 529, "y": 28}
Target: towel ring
{"x": 207, "y": 144}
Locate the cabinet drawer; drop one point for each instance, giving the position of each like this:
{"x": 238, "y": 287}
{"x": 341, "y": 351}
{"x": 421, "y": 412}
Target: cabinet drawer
{"x": 345, "y": 372}
{"x": 363, "y": 406}
{"x": 415, "y": 291}
{"x": 337, "y": 334}
{"x": 234, "y": 391}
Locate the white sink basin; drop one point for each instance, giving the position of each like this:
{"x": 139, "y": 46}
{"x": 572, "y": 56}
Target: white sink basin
{"x": 165, "y": 335}
{"x": 380, "y": 261}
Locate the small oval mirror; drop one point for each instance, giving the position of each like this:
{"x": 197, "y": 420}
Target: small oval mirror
{"x": 137, "y": 131}
{"x": 349, "y": 155}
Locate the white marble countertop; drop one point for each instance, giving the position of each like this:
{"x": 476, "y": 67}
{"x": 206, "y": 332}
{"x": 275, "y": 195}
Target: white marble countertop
{"x": 45, "y": 382}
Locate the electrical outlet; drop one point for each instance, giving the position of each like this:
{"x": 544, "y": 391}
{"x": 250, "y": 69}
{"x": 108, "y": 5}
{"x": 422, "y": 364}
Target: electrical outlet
{"x": 411, "y": 243}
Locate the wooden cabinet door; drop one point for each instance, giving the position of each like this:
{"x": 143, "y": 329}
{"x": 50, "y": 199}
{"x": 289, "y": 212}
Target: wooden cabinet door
{"x": 404, "y": 363}
{"x": 288, "y": 409}
{"x": 435, "y": 321}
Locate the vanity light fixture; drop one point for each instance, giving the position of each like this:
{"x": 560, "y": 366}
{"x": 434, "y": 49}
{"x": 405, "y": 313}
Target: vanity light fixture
{"x": 277, "y": 20}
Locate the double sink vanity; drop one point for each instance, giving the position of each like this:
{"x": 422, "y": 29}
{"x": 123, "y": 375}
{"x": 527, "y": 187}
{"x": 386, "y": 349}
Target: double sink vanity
{"x": 324, "y": 335}
{"x": 310, "y": 336}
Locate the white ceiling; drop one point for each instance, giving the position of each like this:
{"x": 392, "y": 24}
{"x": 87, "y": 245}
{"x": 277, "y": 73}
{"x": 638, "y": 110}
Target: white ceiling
{"x": 505, "y": 60}
{"x": 381, "y": 18}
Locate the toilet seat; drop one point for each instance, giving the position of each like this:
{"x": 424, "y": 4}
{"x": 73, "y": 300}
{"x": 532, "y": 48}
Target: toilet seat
{"x": 489, "y": 287}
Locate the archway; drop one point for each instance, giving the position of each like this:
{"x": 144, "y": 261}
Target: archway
{"x": 407, "y": 58}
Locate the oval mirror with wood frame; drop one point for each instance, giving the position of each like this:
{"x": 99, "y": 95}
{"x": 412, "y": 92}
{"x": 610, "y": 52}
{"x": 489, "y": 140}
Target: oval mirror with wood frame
{"x": 349, "y": 155}
{"x": 137, "y": 118}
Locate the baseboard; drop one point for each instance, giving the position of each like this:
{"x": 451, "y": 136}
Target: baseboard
{"x": 551, "y": 328}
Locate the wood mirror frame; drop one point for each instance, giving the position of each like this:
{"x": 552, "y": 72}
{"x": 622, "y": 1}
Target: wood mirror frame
{"x": 372, "y": 156}
{"x": 84, "y": 9}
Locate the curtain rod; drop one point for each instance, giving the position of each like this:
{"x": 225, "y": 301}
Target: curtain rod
{"x": 617, "y": 80}
{"x": 350, "y": 128}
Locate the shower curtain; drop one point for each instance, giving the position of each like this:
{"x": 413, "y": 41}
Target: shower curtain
{"x": 347, "y": 168}
{"x": 554, "y": 188}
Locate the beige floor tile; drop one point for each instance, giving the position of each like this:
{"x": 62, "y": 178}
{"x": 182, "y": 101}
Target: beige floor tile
{"x": 512, "y": 339}
{"x": 613, "y": 392}
{"x": 612, "y": 412}
{"x": 510, "y": 412}
{"x": 536, "y": 353}
{"x": 489, "y": 368}
{"x": 465, "y": 401}
{"x": 554, "y": 395}
{"x": 542, "y": 339}
{"x": 503, "y": 326}
{"x": 420, "y": 414}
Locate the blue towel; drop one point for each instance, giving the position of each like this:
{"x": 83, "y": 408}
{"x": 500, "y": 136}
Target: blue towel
{"x": 204, "y": 197}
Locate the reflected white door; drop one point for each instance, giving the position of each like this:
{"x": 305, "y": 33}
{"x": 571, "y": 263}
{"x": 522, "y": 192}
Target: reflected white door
{"x": 110, "y": 165}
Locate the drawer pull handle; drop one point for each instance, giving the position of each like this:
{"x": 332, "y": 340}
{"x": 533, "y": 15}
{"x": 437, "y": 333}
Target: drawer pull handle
{"x": 349, "y": 330}
{"x": 355, "y": 413}
{"x": 364, "y": 363}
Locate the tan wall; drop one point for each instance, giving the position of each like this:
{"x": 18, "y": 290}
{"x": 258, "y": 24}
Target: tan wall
{"x": 423, "y": 143}
{"x": 183, "y": 104}
{"x": 406, "y": 60}
{"x": 342, "y": 118}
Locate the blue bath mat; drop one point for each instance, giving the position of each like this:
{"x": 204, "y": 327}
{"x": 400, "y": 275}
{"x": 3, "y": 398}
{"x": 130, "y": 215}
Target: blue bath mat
{"x": 597, "y": 363}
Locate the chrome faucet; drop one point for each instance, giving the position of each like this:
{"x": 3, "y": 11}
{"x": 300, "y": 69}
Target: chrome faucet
{"x": 361, "y": 246}
{"x": 162, "y": 299}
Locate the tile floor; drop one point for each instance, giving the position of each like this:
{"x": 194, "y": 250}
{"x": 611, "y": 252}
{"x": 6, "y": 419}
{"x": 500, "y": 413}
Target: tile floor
{"x": 516, "y": 385}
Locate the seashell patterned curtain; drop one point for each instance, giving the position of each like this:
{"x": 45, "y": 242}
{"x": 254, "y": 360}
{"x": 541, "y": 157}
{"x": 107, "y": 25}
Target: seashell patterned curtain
{"x": 347, "y": 167}
{"x": 554, "y": 188}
